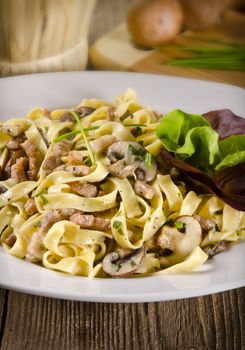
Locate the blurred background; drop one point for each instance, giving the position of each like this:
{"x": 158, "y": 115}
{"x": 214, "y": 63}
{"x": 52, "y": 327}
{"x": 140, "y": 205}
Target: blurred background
{"x": 194, "y": 38}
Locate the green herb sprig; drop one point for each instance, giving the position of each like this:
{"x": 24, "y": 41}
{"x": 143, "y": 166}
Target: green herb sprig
{"x": 90, "y": 152}
{"x": 228, "y": 57}
{"x": 73, "y": 133}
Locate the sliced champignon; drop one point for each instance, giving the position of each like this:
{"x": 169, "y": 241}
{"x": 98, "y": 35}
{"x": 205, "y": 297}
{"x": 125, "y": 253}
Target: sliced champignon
{"x": 118, "y": 264}
{"x": 143, "y": 189}
{"x": 130, "y": 158}
{"x": 182, "y": 238}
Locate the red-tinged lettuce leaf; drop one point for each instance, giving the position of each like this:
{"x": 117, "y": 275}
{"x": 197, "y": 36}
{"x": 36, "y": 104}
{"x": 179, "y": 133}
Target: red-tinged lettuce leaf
{"x": 228, "y": 184}
{"x": 226, "y": 123}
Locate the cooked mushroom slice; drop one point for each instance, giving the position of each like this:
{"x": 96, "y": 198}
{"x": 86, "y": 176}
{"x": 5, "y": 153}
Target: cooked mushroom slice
{"x": 131, "y": 158}
{"x": 182, "y": 238}
{"x": 118, "y": 264}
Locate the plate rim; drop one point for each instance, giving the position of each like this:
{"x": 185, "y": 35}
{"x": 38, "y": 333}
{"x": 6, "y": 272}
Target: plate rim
{"x": 135, "y": 298}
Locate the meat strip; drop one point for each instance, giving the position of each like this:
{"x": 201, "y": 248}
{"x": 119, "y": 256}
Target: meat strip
{"x": 18, "y": 170}
{"x": 67, "y": 117}
{"x": 75, "y": 157}
{"x": 34, "y": 159}
{"x": 84, "y": 190}
{"x": 60, "y": 149}
{"x": 90, "y": 221}
{"x": 30, "y": 207}
{"x": 84, "y": 111}
{"x": 214, "y": 249}
{"x": 14, "y": 155}
{"x": 142, "y": 189}
{"x": 11, "y": 239}
{"x": 78, "y": 170}
{"x": 81, "y": 111}
{"x": 102, "y": 144}
{"x": 14, "y": 143}
{"x": 206, "y": 224}
{"x": 34, "y": 250}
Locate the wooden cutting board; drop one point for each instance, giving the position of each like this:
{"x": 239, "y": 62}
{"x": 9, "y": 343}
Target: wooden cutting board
{"x": 115, "y": 51}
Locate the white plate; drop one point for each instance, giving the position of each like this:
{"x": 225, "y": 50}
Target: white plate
{"x": 22, "y": 93}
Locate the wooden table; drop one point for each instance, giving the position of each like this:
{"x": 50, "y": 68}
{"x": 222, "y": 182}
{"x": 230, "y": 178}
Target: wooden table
{"x": 211, "y": 322}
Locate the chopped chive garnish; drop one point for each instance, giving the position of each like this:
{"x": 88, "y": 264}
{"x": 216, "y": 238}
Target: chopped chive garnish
{"x": 44, "y": 199}
{"x": 134, "y": 125}
{"x": 90, "y": 152}
{"x": 73, "y": 133}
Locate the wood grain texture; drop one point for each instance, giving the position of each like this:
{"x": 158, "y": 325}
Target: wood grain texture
{"x": 43, "y": 35}
{"x": 210, "y": 322}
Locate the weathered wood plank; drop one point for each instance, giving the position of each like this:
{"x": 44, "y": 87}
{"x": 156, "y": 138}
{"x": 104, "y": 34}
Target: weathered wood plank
{"x": 3, "y": 301}
{"x": 210, "y": 322}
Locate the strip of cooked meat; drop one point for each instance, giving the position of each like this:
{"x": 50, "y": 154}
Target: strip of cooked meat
{"x": 143, "y": 189}
{"x": 18, "y": 170}
{"x": 81, "y": 111}
{"x": 14, "y": 155}
{"x": 213, "y": 249}
{"x": 34, "y": 250}
{"x": 75, "y": 157}
{"x": 90, "y": 221}
{"x": 60, "y": 149}
{"x": 78, "y": 170}
{"x": 83, "y": 189}
{"x": 84, "y": 111}
{"x": 2, "y": 189}
{"x": 14, "y": 143}
{"x": 30, "y": 207}
{"x": 67, "y": 117}
{"x": 102, "y": 144}
{"x": 34, "y": 159}
{"x": 206, "y": 224}
{"x": 11, "y": 239}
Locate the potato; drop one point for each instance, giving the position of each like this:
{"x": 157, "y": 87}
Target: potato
{"x": 155, "y": 22}
{"x": 200, "y": 15}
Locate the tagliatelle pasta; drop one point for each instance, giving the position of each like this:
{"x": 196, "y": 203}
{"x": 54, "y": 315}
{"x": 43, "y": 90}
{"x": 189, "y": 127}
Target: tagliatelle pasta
{"x": 84, "y": 191}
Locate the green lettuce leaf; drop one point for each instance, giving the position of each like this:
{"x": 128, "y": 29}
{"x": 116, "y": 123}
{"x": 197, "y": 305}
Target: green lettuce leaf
{"x": 192, "y": 139}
